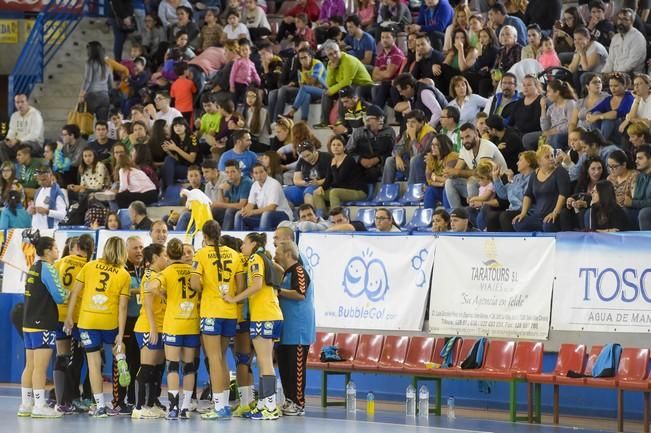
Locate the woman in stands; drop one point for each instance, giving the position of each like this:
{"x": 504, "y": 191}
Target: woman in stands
{"x": 105, "y": 286}
{"x": 641, "y": 108}
{"x": 182, "y": 151}
{"x": 462, "y": 55}
{"x": 216, "y": 272}
{"x": 160, "y": 132}
{"x": 612, "y": 111}
{"x": 180, "y": 328}
{"x": 468, "y": 103}
{"x": 488, "y": 48}
{"x": 460, "y": 20}
{"x": 525, "y": 115}
{"x": 266, "y": 320}
{"x": 440, "y": 158}
{"x": 66, "y": 375}
{"x": 545, "y": 197}
{"x": 605, "y": 214}
{"x": 621, "y": 175}
{"x": 554, "y": 118}
{"x": 43, "y": 291}
{"x": 384, "y": 221}
{"x": 344, "y": 181}
{"x": 593, "y": 95}
{"x": 593, "y": 171}
{"x": 134, "y": 184}
{"x": 148, "y": 331}
{"x": 98, "y": 79}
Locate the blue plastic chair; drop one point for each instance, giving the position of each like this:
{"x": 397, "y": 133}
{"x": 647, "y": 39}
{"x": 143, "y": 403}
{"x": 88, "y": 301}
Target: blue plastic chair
{"x": 388, "y": 193}
{"x": 399, "y": 216}
{"x": 367, "y": 216}
{"x": 125, "y": 219}
{"x": 369, "y": 193}
{"x": 171, "y": 196}
{"x": 421, "y": 218}
{"x": 414, "y": 194}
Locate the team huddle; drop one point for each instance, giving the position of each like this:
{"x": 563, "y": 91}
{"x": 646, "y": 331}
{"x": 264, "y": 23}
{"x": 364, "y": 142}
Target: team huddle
{"x": 229, "y": 291}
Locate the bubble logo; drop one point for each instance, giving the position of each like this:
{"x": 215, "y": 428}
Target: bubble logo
{"x": 417, "y": 263}
{"x": 366, "y": 277}
{"x": 312, "y": 256}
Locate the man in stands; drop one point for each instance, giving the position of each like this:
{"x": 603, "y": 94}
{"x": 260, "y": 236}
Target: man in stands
{"x": 50, "y": 203}
{"x": 459, "y": 221}
{"x": 409, "y": 153}
{"x": 288, "y": 82}
{"x": 267, "y": 205}
{"x": 627, "y": 50}
{"x": 434, "y": 17}
{"x": 460, "y": 182}
{"x": 162, "y": 101}
{"x": 497, "y": 104}
{"x": 159, "y": 232}
{"x": 450, "y": 126}
{"x": 362, "y": 45}
{"x": 341, "y": 223}
{"x": 419, "y": 96}
{"x": 509, "y": 142}
{"x": 233, "y": 195}
{"x": 428, "y": 61}
{"x": 351, "y": 113}
{"x": 68, "y": 154}
{"x": 26, "y": 170}
{"x": 388, "y": 63}
{"x": 240, "y": 153}
{"x": 138, "y": 215}
{"x": 25, "y": 127}
{"x": 343, "y": 70}
{"x": 308, "y": 221}
{"x": 372, "y": 144}
{"x": 499, "y": 18}
{"x": 639, "y": 207}
{"x": 101, "y": 144}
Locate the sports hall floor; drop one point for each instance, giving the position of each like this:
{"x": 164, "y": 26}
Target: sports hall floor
{"x": 316, "y": 420}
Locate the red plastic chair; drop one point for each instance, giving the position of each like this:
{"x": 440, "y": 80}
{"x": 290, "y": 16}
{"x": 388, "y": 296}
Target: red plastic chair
{"x": 394, "y": 353}
{"x": 527, "y": 358}
{"x": 570, "y": 357}
{"x": 347, "y": 344}
{"x": 459, "y": 355}
{"x": 418, "y": 353}
{"x": 633, "y": 365}
{"x": 644, "y": 386}
{"x": 499, "y": 358}
{"x": 368, "y": 352}
{"x": 314, "y": 355}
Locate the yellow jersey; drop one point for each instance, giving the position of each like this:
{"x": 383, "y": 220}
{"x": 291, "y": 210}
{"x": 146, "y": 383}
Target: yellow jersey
{"x": 104, "y": 284}
{"x": 240, "y": 305}
{"x": 182, "y": 312}
{"x": 263, "y": 305}
{"x": 217, "y": 279}
{"x": 158, "y": 306}
{"x": 68, "y": 268}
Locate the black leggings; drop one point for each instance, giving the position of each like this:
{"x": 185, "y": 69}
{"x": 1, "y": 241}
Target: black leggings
{"x": 125, "y": 198}
{"x": 292, "y": 366}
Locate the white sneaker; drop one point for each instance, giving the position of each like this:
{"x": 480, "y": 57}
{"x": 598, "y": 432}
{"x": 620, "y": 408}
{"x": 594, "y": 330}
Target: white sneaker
{"x": 162, "y": 413}
{"x": 293, "y": 409}
{"x": 194, "y": 405}
{"x": 145, "y": 413}
{"x": 25, "y": 410}
{"x": 45, "y": 412}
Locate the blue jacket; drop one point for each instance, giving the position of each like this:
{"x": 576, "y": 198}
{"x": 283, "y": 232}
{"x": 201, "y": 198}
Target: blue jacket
{"x": 22, "y": 220}
{"x": 437, "y": 19}
{"x": 299, "y": 323}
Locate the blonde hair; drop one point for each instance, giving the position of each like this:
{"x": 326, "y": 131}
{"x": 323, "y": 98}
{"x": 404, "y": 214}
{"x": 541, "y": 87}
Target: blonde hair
{"x": 544, "y": 149}
{"x": 637, "y": 127}
{"x": 115, "y": 252}
{"x": 485, "y": 169}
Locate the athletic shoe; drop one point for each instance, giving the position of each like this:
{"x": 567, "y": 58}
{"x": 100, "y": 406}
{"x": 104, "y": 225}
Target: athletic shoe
{"x": 222, "y": 414}
{"x": 144, "y": 413}
{"x": 45, "y": 412}
{"x": 266, "y": 415}
{"x": 82, "y": 404}
{"x": 125, "y": 376}
{"x": 101, "y": 412}
{"x": 66, "y": 409}
{"x": 25, "y": 410}
{"x": 194, "y": 405}
{"x": 185, "y": 414}
{"x": 159, "y": 411}
{"x": 173, "y": 414}
{"x": 124, "y": 409}
{"x": 115, "y": 411}
{"x": 292, "y": 409}
{"x": 241, "y": 410}
{"x": 205, "y": 406}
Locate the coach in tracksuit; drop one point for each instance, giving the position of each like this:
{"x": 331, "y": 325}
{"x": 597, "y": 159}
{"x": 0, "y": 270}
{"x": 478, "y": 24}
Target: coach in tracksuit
{"x": 296, "y": 297}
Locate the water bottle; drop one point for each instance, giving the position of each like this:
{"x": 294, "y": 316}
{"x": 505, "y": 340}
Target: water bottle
{"x": 370, "y": 403}
{"x": 451, "y": 414}
{"x": 351, "y": 397}
{"x": 410, "y": 397}
{"x": 423, "y": 401}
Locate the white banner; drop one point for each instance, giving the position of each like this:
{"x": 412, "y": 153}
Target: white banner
{"x": 495, "y": 287}
{"x": 603, "y": 282}
{"x": 18, "y": 255}
{"x": 369, "y": 282}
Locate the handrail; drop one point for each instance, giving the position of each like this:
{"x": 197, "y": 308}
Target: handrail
{"x": 52, "y": 27}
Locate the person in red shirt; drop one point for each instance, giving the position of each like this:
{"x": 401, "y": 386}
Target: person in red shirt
{"x": 183, "y": 90}
{"x": 308, "y": 7}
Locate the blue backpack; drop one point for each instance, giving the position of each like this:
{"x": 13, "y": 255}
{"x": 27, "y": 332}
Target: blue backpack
{"x": 330, "y": 354}
{"x": 607, "y": 362}
{"x": 446, "y": 352}
{"x": 475, "y": 356}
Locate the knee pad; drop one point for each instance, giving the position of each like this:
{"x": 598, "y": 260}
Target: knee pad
{"x": 173, "y": 366}
{"x": 189, "y": 368}
{"x": 62, "y": 362}
{"x": 243, "y": 359}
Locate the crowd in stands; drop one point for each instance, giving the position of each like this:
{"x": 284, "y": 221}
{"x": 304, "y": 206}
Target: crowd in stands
{"x": 514, "y": 116}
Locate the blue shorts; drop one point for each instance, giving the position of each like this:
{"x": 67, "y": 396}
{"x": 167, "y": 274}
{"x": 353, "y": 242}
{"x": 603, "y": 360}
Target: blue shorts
{"x": 94, "y": 339}
{"x": 223, "y": 327}
{"x": 244, "y": 326}
{"x": 61, "y": 335}
{"x": 39, "y": 339}
{"x": 182, "y": 340}
{"x": 143, "y": 341}
{"x": 270, "y": 329}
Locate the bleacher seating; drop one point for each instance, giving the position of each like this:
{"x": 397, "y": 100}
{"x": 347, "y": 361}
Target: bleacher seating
{"x": 399, "y": 216}
{"x": 367, "y": 216}
{"x": 421, "y": 219}
{"x": 414, "y": 194}
{"x": 387, "y": 193}
{"x": 125, "y": 219}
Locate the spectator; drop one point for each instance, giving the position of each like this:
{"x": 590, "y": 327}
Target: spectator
{"x": 92, "y": 173}
{"x": 68, "y": 153}
{"x": 255, "y": 119}
{"x": 235, "y": 30}
{"x": 272, "y": 67}
{"x": 271, "y": 162}
{"x": 184, "y": 23}
{"x": 243, "y": 73}
{"x": 509, "y": 142}
{"x": 612, "y": 110}
{"x": 211, "y": 33}
{"x": 362, "y": 45}
{"x": 589, "y": 56}
{"x": 240, "y": 153}
{"x": 267, "y": 205}
{"x": 342, "y": 70}
{"x": 371, "y": 145}
{"x": 160, "y": 133}
{"x": 545, "y": 197}
{"x": 563, "y": 32}
{"x": 534, "y": 47}
{"x": 464, "y": 100}
{"x": 152, "y": 35}
{"x": 450, "y": 118}
{"x": 138, "y": 215}
{"x": 578, "y": 204}
{"x": 638, "y": 207}
{"x": 50, "y": 203}
{"x": 162, "y": 101}
{"x": 418, "y": 96}
{"x": 351, "y": 115}
{"x": 487, "y": 49}
{"x": 510, "y": 50}
{"x": 311, "y": 171}
{"x": 183, "y": 90}
{"x": 288, "y": 83}
{"x": 554, "y": 119}
{"x": 8, "y": 181}
{"x": 592, "y": 97}
{"x": 344, "y": 181}
{"x": 638, "y": 134}
{"x": 342, "y": 223}
{"x": 311, "y": 81}
{"x": 543, "y": 12}
{"x": 440, "y": 221}
{"x": 459, "y": 221}
{"x": 525, "y": 112}
{"x": 303, "y": 30}
{"x": 282, "y": 137}
{"x": 621, "y": 176}
{"x": 334, "y": 8}
{"x": 167, "y": 11}
{"x": 133, "y": 184}
{"x": 26, "y": 170}
{"x": 219, "y": 84}
{"x": 428, "y": 60}
{"x": 384, "y": 222}
{"x": 606, "y": 215}
{"x": 228, "y": 196}
{"x": 460, "y": 58}
{"x": 434, "y": 17}
{"x": 486, "y": 192}
{"x": 101, "y": 144}
{"x": 409, "y": 153}
{"x": 499, "y": 18}
{"x": 641, "y": 108}
{"x": 548, "y": 58}
{"x": 463, "y": 19}
{"x": 308, "y": 221}
{"x": 442, "y": 156}
{"x": 627, "y": 50}
{"x": 388, "y": 64}
{"x": 98, "y": 79}
{"x": 601, "y": 28}
{"x": 14, "y": 215}
{"x": 460, "y": 182}
{"x": 182, "y": 151}
{"x": 502, "y": 99}
{"x": 308, "y": 7}
{"x": 25, "y": 127}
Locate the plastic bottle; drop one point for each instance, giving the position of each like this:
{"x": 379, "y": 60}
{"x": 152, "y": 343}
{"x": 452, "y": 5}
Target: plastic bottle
{"x": 351, "y": 397}
{"x": 451, "y": 414}
{"x": 370, "y": 403}
{"x": 410, "y": 397}
{"x": 423, "y": 401}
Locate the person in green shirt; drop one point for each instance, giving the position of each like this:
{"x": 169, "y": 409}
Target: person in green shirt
{"x": 343, "y": 70}
{"x": 210, "y": 122}
{"x": 26, "y": 170}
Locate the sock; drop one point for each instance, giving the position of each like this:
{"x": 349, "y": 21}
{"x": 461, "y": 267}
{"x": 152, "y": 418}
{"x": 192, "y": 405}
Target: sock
{"x": 187, "y": 398}
{"x": 269, "y": 391}
{"x": 39, "y": 397}
{"x": 225, "y": 395}
{"x": 218, "y": 401}
{"x": 59, "y": 375}
{"x": 261, "y": 393}
{"x": 246, "y": 395}
{"x": 270, "y": 402}
{"x": 173, "y": 397}
{"x": 27, "y": 396}
{"x": 99, "y": 399}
